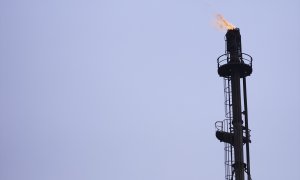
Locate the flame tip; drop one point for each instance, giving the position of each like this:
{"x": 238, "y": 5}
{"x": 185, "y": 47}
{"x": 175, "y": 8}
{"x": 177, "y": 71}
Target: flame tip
{"x": 222, "y": 23}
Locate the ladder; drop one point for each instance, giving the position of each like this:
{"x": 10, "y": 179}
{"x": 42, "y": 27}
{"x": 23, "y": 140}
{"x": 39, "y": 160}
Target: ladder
{"x": 226, "y": 126}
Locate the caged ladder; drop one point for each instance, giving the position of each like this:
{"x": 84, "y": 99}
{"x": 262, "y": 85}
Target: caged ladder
{"x": 226, "y": 126}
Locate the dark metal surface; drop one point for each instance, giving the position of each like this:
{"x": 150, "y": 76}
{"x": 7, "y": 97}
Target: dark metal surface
{"x": 234, "y": 66}
{"x": 247, "y": 128}
{"x": 237, "y": 125}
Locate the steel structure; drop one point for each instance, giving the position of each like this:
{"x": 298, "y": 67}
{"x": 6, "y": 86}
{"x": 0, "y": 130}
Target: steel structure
{"x": 234, "y": 66}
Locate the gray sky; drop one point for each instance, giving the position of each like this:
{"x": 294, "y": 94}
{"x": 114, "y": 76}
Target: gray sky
{"x": 129, "y": 90}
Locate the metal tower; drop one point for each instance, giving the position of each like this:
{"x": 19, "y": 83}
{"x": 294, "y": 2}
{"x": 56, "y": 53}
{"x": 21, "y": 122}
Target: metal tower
{"x": 234, "y": 66}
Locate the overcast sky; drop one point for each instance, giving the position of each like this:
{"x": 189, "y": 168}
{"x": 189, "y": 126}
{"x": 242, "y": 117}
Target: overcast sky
{"x": 129, "y": 90}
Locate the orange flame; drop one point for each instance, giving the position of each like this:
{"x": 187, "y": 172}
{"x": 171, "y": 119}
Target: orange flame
{"x": 222, "y": 23}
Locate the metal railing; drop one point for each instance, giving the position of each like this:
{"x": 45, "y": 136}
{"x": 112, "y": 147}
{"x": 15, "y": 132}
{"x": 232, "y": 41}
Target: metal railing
{"x": 244, "y": 59}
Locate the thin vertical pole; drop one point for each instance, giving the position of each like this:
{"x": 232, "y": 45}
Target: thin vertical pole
{"x": 247, "y": 128}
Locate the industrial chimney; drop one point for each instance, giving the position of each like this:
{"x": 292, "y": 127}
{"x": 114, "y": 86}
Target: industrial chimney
{"x": 234, "y": 66}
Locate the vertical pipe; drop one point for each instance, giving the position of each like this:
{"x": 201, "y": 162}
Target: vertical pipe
{"x": 247, "y": 128}
{"x": 230, "y": 123}
{"x": 237, "y": 125}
